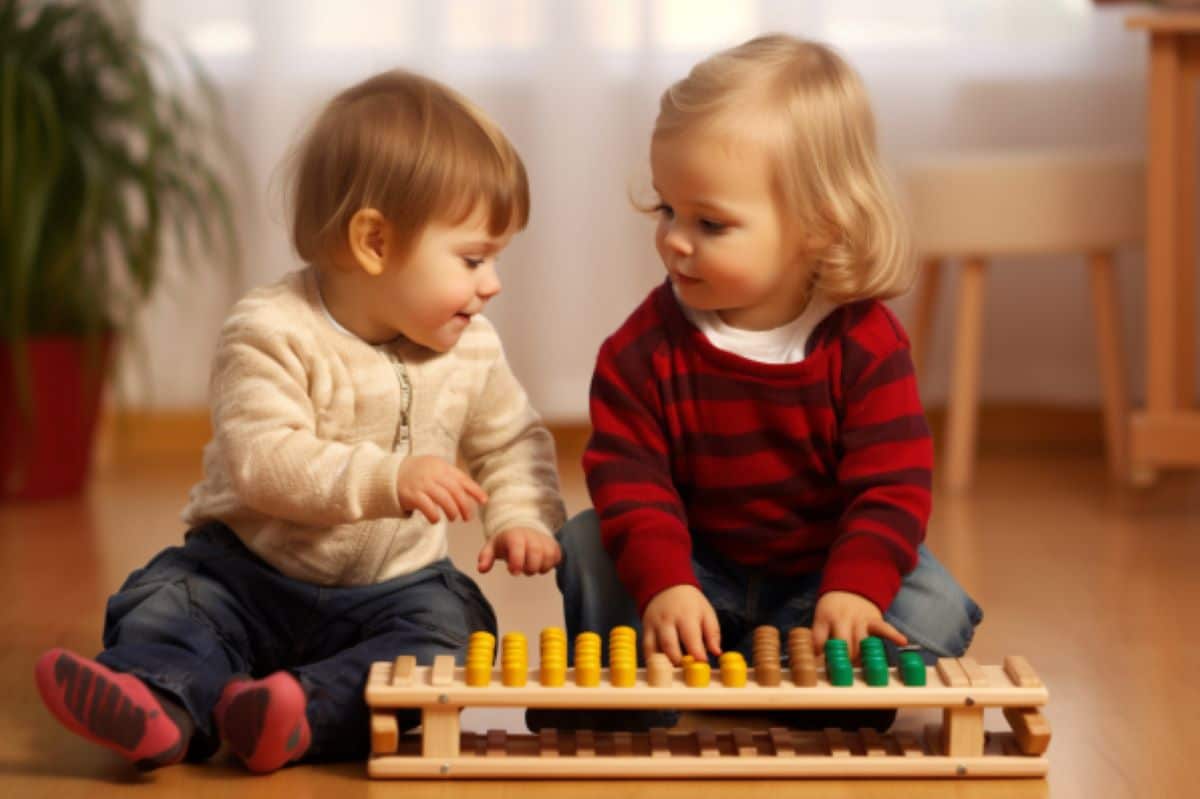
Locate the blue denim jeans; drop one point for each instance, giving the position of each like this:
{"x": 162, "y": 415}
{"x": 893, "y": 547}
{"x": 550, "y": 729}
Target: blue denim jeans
{"x": 930, "y": 608}
{"x": 202, "y": 613}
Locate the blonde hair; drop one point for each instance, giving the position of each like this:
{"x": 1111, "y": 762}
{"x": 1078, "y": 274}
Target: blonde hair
{"x": 812, "y": 112}
{"x": 410, "y": 148}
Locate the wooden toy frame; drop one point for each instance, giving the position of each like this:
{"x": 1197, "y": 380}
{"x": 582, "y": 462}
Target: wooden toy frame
{"x": 958, "y": 748}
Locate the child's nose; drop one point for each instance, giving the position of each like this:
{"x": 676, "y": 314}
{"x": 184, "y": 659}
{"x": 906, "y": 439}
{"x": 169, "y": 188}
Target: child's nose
{"x": 675, "y": 241}
{"x": 489, "y": 282}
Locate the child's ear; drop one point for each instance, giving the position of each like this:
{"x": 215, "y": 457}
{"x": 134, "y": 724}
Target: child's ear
{"x": 368, "y": 233}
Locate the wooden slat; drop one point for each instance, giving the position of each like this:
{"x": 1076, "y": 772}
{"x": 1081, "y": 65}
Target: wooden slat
{"x": 385, "y": 733}
{"x": 442, "y": 672}
{"x": 743, "y": 742}
{"x": 497, "y": 743}
{"x": 1020, "y": 672}
{"x": 951, "y": 673}
{"x": 1030, "y": 728}
{"x": 585, "y": 743}
{"x": 548, "y": 742}
{"x": 380, "y": 673}
{"x": 402, "y": 669}
{"x": 963, "y": 731}
{"x": 872, "y": 742}
{"x": 835, "y": 741}
{"x": 974, "y": 672}
{"x": 660, "y": 745}
{"x": 622, "y": 743}
{"x": 781, "y": 742}
{"x": 935, "y": 744}
{"x": 706, "y": 743}
{"x": 909, "y": 745}
{"x": 1000, "y": 692}
{"x": 440, "y": 731}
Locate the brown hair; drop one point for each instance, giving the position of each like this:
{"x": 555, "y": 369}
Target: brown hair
{"x": 412, "y": 149}
{"x": 809, "y": 108}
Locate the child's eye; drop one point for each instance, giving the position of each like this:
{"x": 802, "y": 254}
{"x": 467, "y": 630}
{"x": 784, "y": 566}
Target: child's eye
{"x": 712, "y": 226}
{"x": 665, "y": 211}
{"x": 473, "y": 263}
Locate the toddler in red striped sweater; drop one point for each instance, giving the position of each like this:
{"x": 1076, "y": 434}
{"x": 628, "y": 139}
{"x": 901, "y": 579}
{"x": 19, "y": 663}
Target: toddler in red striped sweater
{"x": 760, "y": 454}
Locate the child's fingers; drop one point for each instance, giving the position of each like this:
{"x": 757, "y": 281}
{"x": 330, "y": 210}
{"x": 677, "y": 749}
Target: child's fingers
{"x": 472, "y": 488}
{"x": 516, "y": 555}
{"x": 444, "y": 501}
{"x": 845, "y": 631}
{"x": 692, "y": 639}
{"x": 462, "y": 500}
{"x": 711, "y": 629}
{"x": 668, "y": 642}
{"x": 428, "y": 507}
{"x": 882, "y": 628}
{"x": 820, "y": 634}
{"x": 487, "y": 557}
{"x": 649, "y": 644}
{"x": 533, "y": 559}
{"x": 555, "y": 558}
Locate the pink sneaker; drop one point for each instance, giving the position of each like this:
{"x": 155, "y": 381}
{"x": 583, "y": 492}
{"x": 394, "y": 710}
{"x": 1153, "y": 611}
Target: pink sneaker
{"x": 112, "y": 709}
{"x": 264, "y": 720}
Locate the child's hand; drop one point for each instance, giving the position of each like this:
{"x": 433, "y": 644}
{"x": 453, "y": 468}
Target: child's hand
{"x": 680, "y": 615}
{"x": 525, "y": 550}
{"x": 426, "y": 483}
{"x": 842, "y": 614}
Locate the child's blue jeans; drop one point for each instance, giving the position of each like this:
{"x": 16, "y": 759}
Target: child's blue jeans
{"x": 199, "y": 614}
{"x": 930, "y": 608}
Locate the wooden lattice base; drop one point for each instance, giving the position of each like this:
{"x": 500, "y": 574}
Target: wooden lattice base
{"x": 740, "y": 753}
{"x": 961, "y": 688}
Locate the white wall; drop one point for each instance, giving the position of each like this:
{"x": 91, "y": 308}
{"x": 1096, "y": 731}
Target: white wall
{"x": 575, "y": 84}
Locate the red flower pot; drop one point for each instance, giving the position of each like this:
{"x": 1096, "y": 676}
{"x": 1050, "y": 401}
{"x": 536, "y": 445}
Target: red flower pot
{"x": 47, "y": 454}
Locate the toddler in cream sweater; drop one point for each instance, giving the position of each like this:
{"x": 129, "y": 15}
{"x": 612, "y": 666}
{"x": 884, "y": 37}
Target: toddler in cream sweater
{"x": 342, "y": 397}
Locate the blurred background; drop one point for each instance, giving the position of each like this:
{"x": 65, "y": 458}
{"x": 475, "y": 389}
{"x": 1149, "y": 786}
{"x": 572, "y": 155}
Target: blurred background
{"x": 576, "y": 85}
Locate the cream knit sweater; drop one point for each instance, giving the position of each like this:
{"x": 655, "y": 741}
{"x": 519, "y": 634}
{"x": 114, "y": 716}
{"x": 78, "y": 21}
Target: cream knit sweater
{"x": 311, "y": 425}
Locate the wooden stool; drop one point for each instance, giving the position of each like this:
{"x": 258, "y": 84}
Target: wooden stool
{"x": 977, "y": 206}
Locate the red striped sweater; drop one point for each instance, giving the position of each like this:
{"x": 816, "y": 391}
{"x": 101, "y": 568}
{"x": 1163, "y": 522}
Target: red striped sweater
{"x": 822, "y": 465}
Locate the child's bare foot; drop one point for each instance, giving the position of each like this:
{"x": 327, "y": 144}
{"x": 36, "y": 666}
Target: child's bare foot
{"x": 264, "y": 721}
{"x": 114, "y": 710}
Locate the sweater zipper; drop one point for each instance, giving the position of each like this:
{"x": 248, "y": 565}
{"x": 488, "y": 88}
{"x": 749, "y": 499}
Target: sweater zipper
{"x": 402, "y": 429}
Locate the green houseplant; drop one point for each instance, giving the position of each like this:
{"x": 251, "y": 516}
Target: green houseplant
{"x": 110, "y": 148}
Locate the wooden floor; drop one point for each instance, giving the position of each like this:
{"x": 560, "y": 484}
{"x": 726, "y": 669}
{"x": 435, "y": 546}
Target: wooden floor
{"x": 1098, "y": 588}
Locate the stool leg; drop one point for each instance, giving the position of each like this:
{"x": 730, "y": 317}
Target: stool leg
{"x": 928, "y": 284}
{"x": 964, "y": 384}
{"x": 1105, "y": 299}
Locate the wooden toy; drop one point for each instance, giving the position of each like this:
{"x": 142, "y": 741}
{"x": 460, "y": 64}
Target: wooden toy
{"x": 959, "y": 747}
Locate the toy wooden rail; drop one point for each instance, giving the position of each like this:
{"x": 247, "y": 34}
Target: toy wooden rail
{"x": 958, "y": 748}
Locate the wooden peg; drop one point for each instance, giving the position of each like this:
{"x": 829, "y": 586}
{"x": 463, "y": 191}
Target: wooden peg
{"x": 743, "y": 742}
{"x": 706, "y": 743}
{"x": 1030, "y": 728}
{"x": 660, "y": 745}
{"x": 974, "y": 672}
{"x": 909, "y": 746}
{"x": 835, "y": 740}
{"x": 781, "y": 742}
{"x": 497, "y": 743}
{"x": 402, "y": 669}
{"x": 1020, "y": 672}
{"x": 872, "y": 742}
{"x": 585, "y": 743}
{"x": 548, "y": 742}
{"x": 385, "y": 733}
{"x": 442, "y": 672}
{"x": 952, "y": 673}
